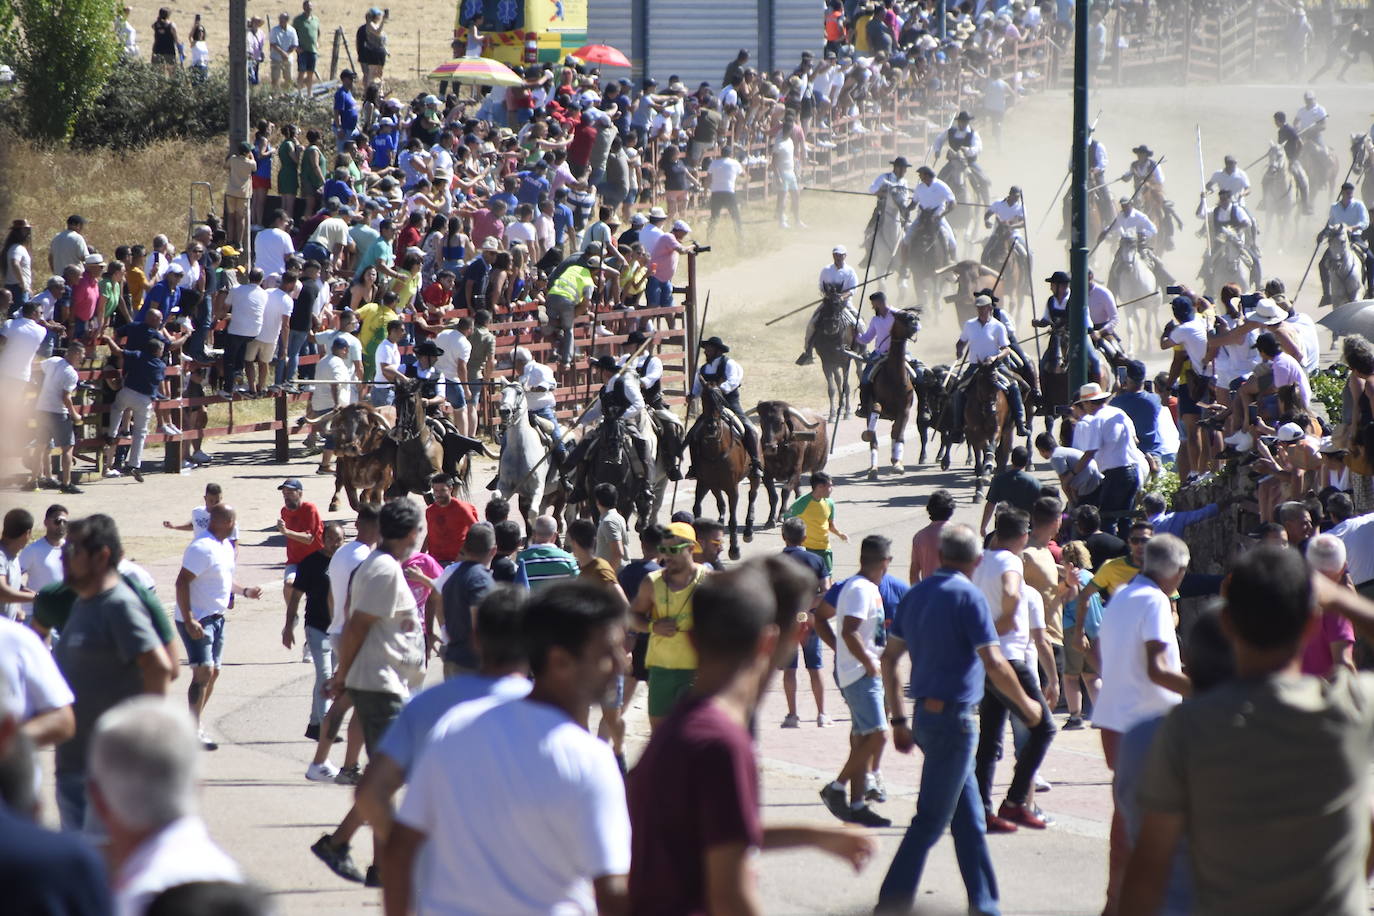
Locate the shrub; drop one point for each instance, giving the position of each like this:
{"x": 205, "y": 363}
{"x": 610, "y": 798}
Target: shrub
{"x": 1328, "y": 389}
{"x": 62, "y": 51}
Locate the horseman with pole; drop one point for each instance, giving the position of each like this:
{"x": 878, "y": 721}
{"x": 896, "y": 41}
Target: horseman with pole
{"x": 1350, "y": 212}
{"x": 879, "y": 334}
{"x": 965, "y": 145}
{"x": 1132, "y": 223}
{"x": 1292, "y": 144}
{"x": 891, "y": 209}
{"x": 934, "y": 197}
{"x": 1098, "y": 195}
{"x": 1232, "y": 179}
{"x": 1229, "y": 216}
{"x": 1006, "y": 218}
{"x": 837, "y": 283}
{"x": 1147, "y": 181}
{"x": 619, "y": 400}
{"x": 644, "y": 365}
{"x": 721, "y": 372}
{"x": 987, "y": 342}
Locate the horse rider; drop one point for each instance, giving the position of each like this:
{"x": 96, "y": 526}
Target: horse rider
{"x": 1011, "y": 213}
{"x": 427, "y": 354}
{"x": 1230, "y": 214}
{"x": 1026, "y": 368}
{"x": 1056, "y": 315}
{"x": 987, "y": 341}
{"x": 1103, "y": 317}
{"x": 720, "y": 371}
{"x": 1350, "y": 211}
{"x": 933, "y": 195}
{"x": 1310, "y": 121}
{"x": 892, "y": 190}
{"x": 1132, "y": 222}
{"x": 539, "y": 383}
{"x": 1291, "y": 141}
{"x": 837, "y": 279}
{"x": 1097, "y": 185}
{"x": 964, "y": 143}
{"x": 1232, "y": 179}
{"x": 648, "y": 369}
{"x": 620, "y": 398}
{"x": 1145, "y": 170}
{"x": 879, "y": 334}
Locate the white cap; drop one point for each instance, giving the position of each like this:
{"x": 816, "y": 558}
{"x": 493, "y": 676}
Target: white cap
{"x": 680, "y": 226}
{"x": 839, "y": 249}
{"x": 1290, "y": 432}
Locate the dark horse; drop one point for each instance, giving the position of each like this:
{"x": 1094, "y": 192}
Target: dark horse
{"x": 893, "y": 392}
{"x": 989, "y": 426}
{"x": 612, "y": 460}
{"x": 720, "y": 462}
{"x": 1054, "y": 377}
{"x": 925, "y": 256}
{"x": 834, "y": 336}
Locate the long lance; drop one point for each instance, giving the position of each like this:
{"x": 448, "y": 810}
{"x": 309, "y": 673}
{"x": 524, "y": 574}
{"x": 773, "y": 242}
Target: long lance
{"x": 1144, "y": 181}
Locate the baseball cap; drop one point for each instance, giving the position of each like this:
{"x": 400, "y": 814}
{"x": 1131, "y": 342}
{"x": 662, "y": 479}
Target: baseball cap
{"x": 684, "y": 531}
{"x": 839, "y": 249}
{"x": 680, "y": 226}
{"x": 291, "y": 483}
{"x": 1290, "y": 432}
{"x": 638, "y": 220}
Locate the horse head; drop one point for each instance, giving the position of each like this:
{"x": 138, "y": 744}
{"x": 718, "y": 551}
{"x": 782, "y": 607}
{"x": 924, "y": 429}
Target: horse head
{"x": 905, "y": 324}
{"x": 512, "y": 404}
{"x": 1359, "y": 150}
{"x": 1278, "y": 161}
{"x": 1337, "y": 239}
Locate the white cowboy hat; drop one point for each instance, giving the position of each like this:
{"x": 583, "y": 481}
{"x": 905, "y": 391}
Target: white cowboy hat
{"x": 1268, "y": 312}
{"x": 1092, "y": 392}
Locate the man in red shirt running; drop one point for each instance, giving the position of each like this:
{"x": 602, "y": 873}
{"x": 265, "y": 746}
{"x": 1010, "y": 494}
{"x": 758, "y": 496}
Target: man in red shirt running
{"x": 303, "y": 528}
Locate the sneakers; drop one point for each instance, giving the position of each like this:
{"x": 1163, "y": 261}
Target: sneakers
{"x": 1042, "y": 784}
{"x": 169, "y": 429}
{"x": 111, "y": 473}
{"x": 206, "y": 743}
{"x": 791, "y": 720}
{"x": 321, "y": 772}
{"x": 1021, "y": 815}
{"x": 1073, "y": 723}
{"x": 824, "y": 721}
{"x": 305, "y": 653}
{"x": 867, "y": 817}
{"x": 836, "y": 800}
{"x": 70, "y": 489}
{"x": 349, "y": 776}
{"x": 200, "y": 457}
{"x": 338, "y": 859}
{"x": 874, "y": 790}
{"x": 136, "y": 474}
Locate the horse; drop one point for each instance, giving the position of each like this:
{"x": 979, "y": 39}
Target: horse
{"x": 955, "y": 174}
{"x": 1161, "y": 212}
{"x": 1012, "y": 282}
{"x": 1055, "y": 392}
{"x": 883, "y": 235}
{"x": 1131, "y": 280}
{"x": 421, "y": 449}
{"x": 612, "y": 460}
{"x": 1362, "y": 155}
{"x": 793, "y": 442}
{"x": 833, "y": 339}
{"x": 1230, "y": 261}
{"x": 894, "y": 394}
{"x": 1280, "y": 195}
{"x": 1339, "y": 267}
{"x": 989, "y": 427}
{"x": 1322, "y": 167}
{"x": 523, "y": 453}
{"x": 925, "y": 255}
{"x": 720, "y": 461}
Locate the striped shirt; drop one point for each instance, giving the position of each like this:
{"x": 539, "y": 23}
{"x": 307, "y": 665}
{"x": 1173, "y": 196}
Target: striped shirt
{"x": 546, "y": 564}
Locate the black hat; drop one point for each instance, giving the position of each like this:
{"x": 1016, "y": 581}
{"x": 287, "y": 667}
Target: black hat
{"x": 925, "y": 170}
{"x": 1142, "y": 150}
{"x": 963, "y": 116}
{"x": 428, "y": 348}
{"x": 607, "y": 362}
{"x": 1059, "y": 277}
{"x": 901, "y": 162}
{"x": 636, "y": 337}
{"x": 715, "y": 342}
{"x": 990, "y": 294}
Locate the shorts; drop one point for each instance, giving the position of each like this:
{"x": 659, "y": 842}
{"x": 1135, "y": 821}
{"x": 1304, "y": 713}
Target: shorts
{"x": 305, "y": 61}
{"x": 281, "y": 68}
{"x": 457, "y": 397}
{"x": 787, "y": 181}
{"x": 209, "y": 649}
{"x": 256, "y": 351}
{"x": 376, "y": 710}
{"x": 288, "y": 575}
{"x": 864, "y": 698}
{"x": 827, "y": 557}
{"x": 382, "y": 395}
{"x": 56, "y": 428}
{"x": 262, "y": 183}
{"x": 1076, "y": 663}
{"x": 666, "y": 687}
{"x": 638, "y": 670}
{"x": 810, "y": 653}
{"x": 1186, "y": 405}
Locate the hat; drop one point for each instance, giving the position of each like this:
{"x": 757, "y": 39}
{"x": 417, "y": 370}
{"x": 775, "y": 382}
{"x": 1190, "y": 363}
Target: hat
{"x": 1267, "y": 311}
{"x": 638, "y": 220}
{"x": 428, "y": 348}
{"x": 1290, "y": 432}
{"x": 963, "y": 116}
{"x": 715, "y": 342}
{"x": 491, "y": 244}
{"x": 94, "y": 258}
{"x": 982, "y": 302}
{"x": 839, "y": 249}
{"x": 607, "y": 362}
{"x": 21, "y": 224}
{"x": 229, "y": 251}
{"x": 1135, "y": 371}
{"x": 1240, "y": 440}
{"x": 292, "y": 483}
{"x": 339, "y": 344}
{"x": 1142, "y": 150}
{"x": 636, "y": 337}
{"x": 1329, "y": 447}
{"x": 593, "y": 248}
{"x": 387, "y": 122}
{"x": 684, "y": 531}
{"x": 1091, "y": 392}
{"x": 245, "y": 147}
{"x": 1125, "y": 201}
{"x": 658, "y": 213}
{"x": 925, "y": 170}
{"x": 1059, "y": 277}
{"x": 901, "y": 162}
{"x": 680, "y": 226}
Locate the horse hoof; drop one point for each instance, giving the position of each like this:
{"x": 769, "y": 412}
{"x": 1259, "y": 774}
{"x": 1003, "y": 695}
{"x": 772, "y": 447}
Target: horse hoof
{"x": 734, "y": 553}
{"x": 897, "y": 466}
{"x": 867, "y": 436}
{"x": 944, "y": 464}
{"x": 748, "y": 537}
{"x": 872, "y": 473}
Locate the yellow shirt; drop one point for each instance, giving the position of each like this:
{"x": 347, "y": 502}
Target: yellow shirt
{"x": 673, "y": 651}
{"x": 818, "y": 514}
{"x": 1114, "y": 573}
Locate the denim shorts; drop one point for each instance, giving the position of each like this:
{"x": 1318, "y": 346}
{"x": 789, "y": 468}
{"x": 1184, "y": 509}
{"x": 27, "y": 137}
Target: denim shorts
{"x": 288, "y": 575}
{"x": 809, "y": 651}
{"x": 209, "y": 649}
{"x": 382, "y": 395}
{"x": 865, "y": 700}
{"x": 456, "y": 396}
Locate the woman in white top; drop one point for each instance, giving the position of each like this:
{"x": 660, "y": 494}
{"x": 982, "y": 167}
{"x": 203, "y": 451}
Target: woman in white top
{"x": 16, "y": 261}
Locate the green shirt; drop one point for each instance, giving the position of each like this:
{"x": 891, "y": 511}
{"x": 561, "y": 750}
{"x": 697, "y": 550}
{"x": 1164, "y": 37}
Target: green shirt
{"x": 818, "y": 514}
{"x": 307, "y": 32}
{"x": 53, "y": 605}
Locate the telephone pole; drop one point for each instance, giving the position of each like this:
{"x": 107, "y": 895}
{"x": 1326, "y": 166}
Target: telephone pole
{"x": 238, "y": 73}
{"x": 1078, "y": 255}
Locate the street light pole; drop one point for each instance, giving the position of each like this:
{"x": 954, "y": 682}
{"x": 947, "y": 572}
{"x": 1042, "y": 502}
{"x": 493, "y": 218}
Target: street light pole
{"x": 1078, "y": 255}
{"x": 238, "y": 73}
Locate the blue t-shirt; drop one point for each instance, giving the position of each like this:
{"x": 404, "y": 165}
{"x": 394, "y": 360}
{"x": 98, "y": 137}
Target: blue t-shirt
{"x": 891, "y": 588}
{"x": 384, "y": 150}
{"x": 510, "y": 199}
{"x": 633, "y": 574}
{"x": 944, "y": 621}
{"x": 1143, "y": 409}
{"x": 43, "y": 871}
{"x": 408, "y": 734}
{"x": 531, "y": 187}
{"x": 340, "y": 189}
{"x": 135, "y": 336}
{"x": 476, "y": 271}
{"x": 347, "y": 108}
{"x": 562, "y": 221}
{"x": 143, "y": 374}
{"x": 466, "y": 587}
{"x": 162, "y": 297}
{"x": 810, "y": 561}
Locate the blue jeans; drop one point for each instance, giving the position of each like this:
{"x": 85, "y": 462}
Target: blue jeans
{"x": 948, "y": 799}
{"x": 74, "y": 811}
{"x": 658, "y": 293}
{"x": 295, "y": 342}
{"x": 322, "y": 652}
{"x": 382, "y": 394}
{"x": 559, "y": 449}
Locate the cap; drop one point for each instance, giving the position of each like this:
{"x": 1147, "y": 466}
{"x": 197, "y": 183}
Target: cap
{"x": 229, "y": 251}
{"x": 491, "y": 244}
{"x": 291, "y": 483}
{"x": 1290, "y": 432}
{"x": 1135, "y": 371}
{"x": 926, "y": 170}
{"x": 388, "y": 122}
{"x": 1058, "y": 277}
{"x": 982, "y": 302}
{"x": 680, "y": 226}
{"x": 839, "y": 249}
{"x": 1329, "y": 447}
{"x": 683, "y": 531}
{"x": 1124, "y": 201}
{"x": 594, "y": 262}
{"x": 638, "y": 220}
{"x": 658, "y": 213}
{"x": 339, "y": 344}
{"x": 348, "y": 74}
{"x": 175, "y": 268}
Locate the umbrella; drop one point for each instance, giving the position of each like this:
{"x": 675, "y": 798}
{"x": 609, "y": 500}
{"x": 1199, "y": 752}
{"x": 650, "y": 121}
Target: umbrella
{"x": 1352, "y": 318}
{"x": 477, "y": 71}
{"x": 601, "y": 54}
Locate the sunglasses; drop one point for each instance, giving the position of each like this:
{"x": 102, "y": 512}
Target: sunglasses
{"x": 674, "y": 549}
{"x": 1140, "y": 540}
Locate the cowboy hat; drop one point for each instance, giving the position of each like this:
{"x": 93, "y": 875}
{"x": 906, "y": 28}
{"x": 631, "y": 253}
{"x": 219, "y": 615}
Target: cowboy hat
{"x": 715, "y": 342}
{"x": 605, "y": 361}
{"x": 636, "y": 337}
{"x": 658, "y": 213}
{"x": 1059, "y": 277}
{"x": 963, "y": 116}
{"x": 1142, "y": 150}
{"x": 428, "y": 348}
{"x": 1267, "y": 311}
{"x": 901, "y": 162}
{"x": 1091, "y": 392}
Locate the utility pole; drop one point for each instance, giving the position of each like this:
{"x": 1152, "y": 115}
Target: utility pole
{"x": 238, "y": 73}
{"x": 940, "y": 24}
{"x": 1078, "y": 255}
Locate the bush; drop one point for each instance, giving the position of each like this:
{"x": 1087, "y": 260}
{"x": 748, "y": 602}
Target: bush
{"x": 62, "y": 52}
{"x": 1328, "y": 389}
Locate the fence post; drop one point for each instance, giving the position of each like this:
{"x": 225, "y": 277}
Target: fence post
{"x": 1187, "y": 41}
{"x": 171, "y": 449}
{"x": 282, "y": 449}
{"x": 690, "y": 317}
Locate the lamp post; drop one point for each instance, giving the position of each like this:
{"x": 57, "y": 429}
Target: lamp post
{"x": 1078, "y": 254}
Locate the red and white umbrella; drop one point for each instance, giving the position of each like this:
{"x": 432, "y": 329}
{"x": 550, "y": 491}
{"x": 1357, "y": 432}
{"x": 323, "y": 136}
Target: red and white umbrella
{"x": 601, "y": 54}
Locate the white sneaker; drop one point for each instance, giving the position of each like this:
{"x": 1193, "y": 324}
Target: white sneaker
{"x": 1042, "y": 784}
{"x": 321, "y": 772}
{"x": 305, "y": 653}
{"x": 111, "y": 472}
{"x": 169, "y": 430}
{"x": 824, "y": 721}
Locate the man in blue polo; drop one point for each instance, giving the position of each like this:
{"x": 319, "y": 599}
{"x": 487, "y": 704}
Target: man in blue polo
{"x": 945, "y": 623}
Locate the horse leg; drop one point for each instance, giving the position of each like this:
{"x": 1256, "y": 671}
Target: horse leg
{"x": 871, "y": 436}
{"x": 771, "y": 488}
{"x": 830, "y": 392}
{"x": 898, "y": 441}
{"x": 734, "y": 536}
{"x": 696, "y": 501}
{"x": 749, "y": 512}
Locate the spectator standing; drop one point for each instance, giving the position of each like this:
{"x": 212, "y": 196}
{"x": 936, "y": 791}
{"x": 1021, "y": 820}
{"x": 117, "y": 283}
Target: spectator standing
{"x": 307, "y": 26}
{"x": 24, "y": 336}
{"x": 817, "y": 510}
{"x": 462, "y": 587}
{"x": 447, "y": 521}
{"x": 925, "y": 544}
{"x": 1014, "y": 486}
{"x": 238, "y": 191}
{"x": 273, "y": 245}
{"x": 544, "y": 561}
{"x": 312, "y": 584}
{"x": 40, "y": 562}
{"x": 16, "y": 261}
{"x": 612, "y": 533}
{"x": 285, "y": 43}
{"x": 1110, "y": 441}
{"x": 57, "y": 416}
{"x": 30, "y": 677}
{"x": 808, "y": 648}
{"x": 18, "y": 526}
{"x": 69, "y": 246}
{"x": 247, "y": 305}
{"x": 663, "y": 608}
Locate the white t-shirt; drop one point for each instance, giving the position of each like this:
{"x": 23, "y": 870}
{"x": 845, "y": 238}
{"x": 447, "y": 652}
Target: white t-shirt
{"x": 784, "y": 156}
{"x": 988, "y": 578}
{"x": 341, "y": 566}
{"x": 456, "y": 347}
{"x": 59, "y": 378}
{"x": 1138, "y": 613}
{"x": 1169, "y": 440}
{"x": 180, "y": 853}
{"x": 1308, "y": 341}
{"x": 388, "y": 354}
{"x": 325, "y": 341}
{"x": 984, "y": 340}
{"x": 525, "y": 233}
{"x": 211, "y": 561}
{"x": 279, "y": 306}
{"x": 273, "y": 247}
{"x": 247, "y": 302}
{"x": 538, "y": 375}
{"x": 19, "y": 268}
{"x": 28, "y": 668}
{"x": 723, "y": 173}
{"x": 519, "y": 785}
{"x": 23, "y": 337}
{"x": 1035, "y": 617}
{"x": 41, "y": 564}
{"x": 1192, "y": 336}
{"x": 1112, "y": 435}
{"x": 331, "y": 369}
{"x": 200, "y": 524}
{"x": 859, "y": 598}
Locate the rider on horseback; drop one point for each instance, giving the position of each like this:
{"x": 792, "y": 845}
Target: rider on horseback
{"x": 648, "y": 369}
{"x": 1310, "y": 121}
{"x": 723, "y": 373}
{"x": 1056, "y": 318}
{"x": 540, "y": 385}
{"x": 1010, "y": 214}
{"x": 878, "y": 333}
{"x": 838, "y": 280}
{"x": 1026, "y": 369}
{"x": 620, "y": 400}
{"x": 1130, "y": 222}
{"x": 1350, "y": 211}
{"x": 1098, "y": 195}
{"x": 1233, "y": 180}
{"x": 1228, "y": 214}
{"x": 933, "y": 195}
{"x": 964, "y": 143}
{"x": 892, "y": 190}
{"x": 987, "y": 342}
{"x": 1103, "y": 316}
{"x": 1291, "y": 142}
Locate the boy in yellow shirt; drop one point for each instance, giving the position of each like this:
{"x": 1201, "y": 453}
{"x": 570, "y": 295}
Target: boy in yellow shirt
{"x": 817, "y": 510}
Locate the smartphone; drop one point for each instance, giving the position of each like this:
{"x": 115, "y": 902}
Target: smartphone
{"x": 1149, "y": 385}
{"x": 1121, "y": 376}
{"x": 1174, "y": 290}
{"x": 1253, "y": 410}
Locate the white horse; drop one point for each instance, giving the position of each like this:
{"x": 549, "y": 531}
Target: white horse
{"x": 526, "y": 469}
{"x": 1132, "y": 281}
{"x": 1339, "y": 268}
{"x": 883, "y": 236}
{"x": 1280, "y": 198}
{"x": 1230, "y": 261}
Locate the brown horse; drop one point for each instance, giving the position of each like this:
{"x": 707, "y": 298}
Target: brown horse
{"x": 720, "y": 461}
{"x": 1054, "y": 378}
{"x": 793, "y": 442}
{"x": 989, "y": 427}
{"x": 894, "y": 395}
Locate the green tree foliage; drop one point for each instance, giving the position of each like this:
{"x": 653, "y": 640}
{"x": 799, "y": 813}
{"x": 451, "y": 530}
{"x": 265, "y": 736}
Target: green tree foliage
{"x": 62, "y": 52}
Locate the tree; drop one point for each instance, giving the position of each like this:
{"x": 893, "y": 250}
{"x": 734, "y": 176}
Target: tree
{"x": 62, "y": 51}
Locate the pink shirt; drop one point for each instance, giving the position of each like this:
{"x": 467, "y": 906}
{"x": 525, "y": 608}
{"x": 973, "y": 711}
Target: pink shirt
{"x": 429, "y": 567}
{"x": 1316, "y": 655}
{"x": 665, "y": 256}
{"x": 85, "y": 297}
{"x": 1287, "y": 371}
{"x": 484, "y": 225}
{"x": 925, "y": 551}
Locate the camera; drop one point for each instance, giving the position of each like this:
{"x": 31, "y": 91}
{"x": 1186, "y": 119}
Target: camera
{"x": 701, "y": 249}
{"x": 1174, "y": 290}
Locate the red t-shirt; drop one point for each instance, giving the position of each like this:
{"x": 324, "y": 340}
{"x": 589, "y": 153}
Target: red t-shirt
{"x": 85, "y": 297}
{"x": 695, "y": 787}
{"x": 448, "y": 529}
{"x": 304, "y": 517}
{"x": 409, "y": 237}
{"x": 485, "y": 224}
